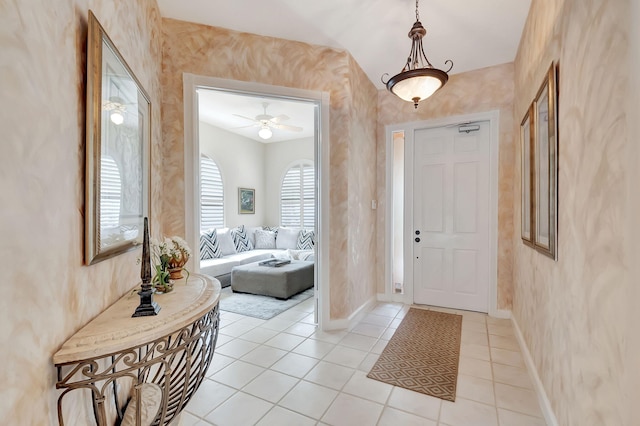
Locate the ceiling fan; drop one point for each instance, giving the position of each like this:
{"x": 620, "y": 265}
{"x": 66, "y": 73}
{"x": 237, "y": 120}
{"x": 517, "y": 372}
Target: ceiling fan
{"x": 266, "y": 122}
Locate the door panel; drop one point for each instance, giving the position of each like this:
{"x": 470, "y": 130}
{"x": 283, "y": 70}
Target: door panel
{"x": 465, "y": 263}
{"x": 432, "y": 268}
{"x": 432, "y": 192}
{"x": 465, "y": 177}
{"x": 451, "y": 211}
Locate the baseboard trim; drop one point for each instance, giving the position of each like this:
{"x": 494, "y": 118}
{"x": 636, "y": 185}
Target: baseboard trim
{"x": 353, "y": 319}
{"x": 500, "y": 313}
{"x": 393, "y": 298}
{"x": 543, "y": 399}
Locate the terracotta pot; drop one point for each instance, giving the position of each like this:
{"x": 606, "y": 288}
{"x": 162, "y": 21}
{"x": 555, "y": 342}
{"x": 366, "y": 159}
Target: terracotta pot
{"x": 175, "y": 273}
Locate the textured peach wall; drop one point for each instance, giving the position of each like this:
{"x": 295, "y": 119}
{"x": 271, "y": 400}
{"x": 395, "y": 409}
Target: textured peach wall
{"x": 47, "y": 293}
{"x": 632, "y": 373}
{"x": 362, "y": 187}
{"x": 217, "y": 52}
{"x": 573, "y": 312}
{"x": 482, "y": 90}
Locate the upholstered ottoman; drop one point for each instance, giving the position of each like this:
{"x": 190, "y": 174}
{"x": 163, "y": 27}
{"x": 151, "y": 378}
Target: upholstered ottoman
{"x": 281, "y": 281}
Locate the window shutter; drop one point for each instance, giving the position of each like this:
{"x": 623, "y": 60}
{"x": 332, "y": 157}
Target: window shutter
{"x": 110, "y": 193}
{"x": 211, "y": 195}
{"x": 297, "y": 200}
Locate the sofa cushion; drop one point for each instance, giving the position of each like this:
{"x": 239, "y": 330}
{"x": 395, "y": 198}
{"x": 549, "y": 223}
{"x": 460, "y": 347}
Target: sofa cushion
{"x": 271, "y": 228}
{"x": 241, "y": 239}
{"x": 251, "y": 234}
{"x": 297, "y": 255}
{"x": 209, "y": 247}
{"x": 306, "y": 240}
{"x": 287, "y": 238}
{"x": 254, "y": 256}
{"x": 215, "y": 267}
{"x": 265, "y": 239}
{"x": 225, "y": 240}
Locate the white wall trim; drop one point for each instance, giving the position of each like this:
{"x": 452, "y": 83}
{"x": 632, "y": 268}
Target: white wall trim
{"x": 191, "y": 83}
{"x": 494, "y": 128}
{"x": 393, "y": 298}
{"x": 500, "y": 313}
{"x": 543, "y": 399}
{"x": 353, "y": 319}
{"x": 388, "y": 233}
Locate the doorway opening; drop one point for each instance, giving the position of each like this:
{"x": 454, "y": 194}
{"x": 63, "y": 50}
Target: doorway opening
{"x": 264, "y": 145}
{"x": 442, "y": 199}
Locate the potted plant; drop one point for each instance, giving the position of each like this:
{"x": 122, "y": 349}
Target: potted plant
{"x": 169, "y": 257}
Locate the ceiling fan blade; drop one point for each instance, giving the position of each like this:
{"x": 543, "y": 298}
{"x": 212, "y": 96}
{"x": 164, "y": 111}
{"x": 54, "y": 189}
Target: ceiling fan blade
{"x": 246, "y": 118}
{"x": 246, "y": 127}
{"x": 287, "y": 127}
{"x": 279, "y": 118}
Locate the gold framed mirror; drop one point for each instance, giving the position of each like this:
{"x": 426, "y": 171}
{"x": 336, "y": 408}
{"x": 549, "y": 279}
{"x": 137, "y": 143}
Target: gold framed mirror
{"x": 118, "y": 135}
{"x": 545, "y": 169}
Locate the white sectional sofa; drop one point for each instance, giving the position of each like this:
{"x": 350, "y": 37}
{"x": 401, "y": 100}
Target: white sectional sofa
{"x": 241, "y": 246}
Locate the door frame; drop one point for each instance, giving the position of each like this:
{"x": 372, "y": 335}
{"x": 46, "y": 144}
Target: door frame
{"x": 191, "y": 83}
{"x": 493, "y": 117}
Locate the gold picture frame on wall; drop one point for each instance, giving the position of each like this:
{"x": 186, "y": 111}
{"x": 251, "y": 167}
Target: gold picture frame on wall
{"x": 526, "y": 144}
{"x": 118, "y": 135}
{"x": 545, "y": 169}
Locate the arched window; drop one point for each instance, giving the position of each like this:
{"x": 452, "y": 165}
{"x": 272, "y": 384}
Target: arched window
{"x": 297, "y": 196}
{"x": 211, "y": 195}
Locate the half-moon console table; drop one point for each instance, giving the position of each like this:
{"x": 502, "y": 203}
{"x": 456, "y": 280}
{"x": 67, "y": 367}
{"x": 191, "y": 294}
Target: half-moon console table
{"x": 115, "y": 355}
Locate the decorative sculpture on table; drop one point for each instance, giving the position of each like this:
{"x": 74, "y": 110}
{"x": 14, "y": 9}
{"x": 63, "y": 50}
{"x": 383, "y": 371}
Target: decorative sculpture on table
{"x": 147, "y": 306}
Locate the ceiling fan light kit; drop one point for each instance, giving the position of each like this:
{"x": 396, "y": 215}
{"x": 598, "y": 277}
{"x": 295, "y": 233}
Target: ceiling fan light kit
{"x": 117, "y": 108}
{"x": 265, "y": 132}
{"x": 116, "y": 117}
{"x": 418, "y": 79}
{"x": 268, "y": 122}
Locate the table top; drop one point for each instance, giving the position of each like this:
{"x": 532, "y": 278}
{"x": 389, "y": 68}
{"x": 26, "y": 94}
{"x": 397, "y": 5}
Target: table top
{"x": 114, "y": 330}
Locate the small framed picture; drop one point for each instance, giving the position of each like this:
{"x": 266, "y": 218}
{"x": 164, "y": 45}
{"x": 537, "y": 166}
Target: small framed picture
{"x": 246, "y": 201}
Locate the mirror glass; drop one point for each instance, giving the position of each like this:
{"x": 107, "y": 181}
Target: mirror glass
{"x": 118, "y": 140}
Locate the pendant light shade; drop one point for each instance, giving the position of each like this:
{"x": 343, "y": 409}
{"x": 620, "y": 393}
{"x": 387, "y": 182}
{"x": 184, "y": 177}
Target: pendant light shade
{"x": 418, "y": 79}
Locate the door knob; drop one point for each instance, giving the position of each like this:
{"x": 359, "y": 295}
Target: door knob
{"x": 417, "y": 240}
{"x": 417, "y": 232}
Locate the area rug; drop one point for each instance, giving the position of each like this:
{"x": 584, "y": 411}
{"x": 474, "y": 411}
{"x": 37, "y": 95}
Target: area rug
{"x": 423, "y": 354}
{"x": 253, "y": 305}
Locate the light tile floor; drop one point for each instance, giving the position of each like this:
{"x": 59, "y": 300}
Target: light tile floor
{"x": 286, "y": 372}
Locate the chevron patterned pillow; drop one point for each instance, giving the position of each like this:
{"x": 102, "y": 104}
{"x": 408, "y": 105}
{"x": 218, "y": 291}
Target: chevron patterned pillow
{"x": 209, "y": 247}
{"x": 273, "y": 229}
{"x": 306, "y": 240}
{"x": 241, "y": 239}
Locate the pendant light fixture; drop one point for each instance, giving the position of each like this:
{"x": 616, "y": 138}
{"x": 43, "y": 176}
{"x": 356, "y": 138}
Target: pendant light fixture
{"x": 418, "y": 79}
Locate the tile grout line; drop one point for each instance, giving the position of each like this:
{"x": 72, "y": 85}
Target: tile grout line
{"x": 355, "y": 370}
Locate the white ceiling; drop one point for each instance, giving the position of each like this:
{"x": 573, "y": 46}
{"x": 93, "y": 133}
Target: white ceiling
{"x": 218, "y": 108}
{"x": 473, "y": 34}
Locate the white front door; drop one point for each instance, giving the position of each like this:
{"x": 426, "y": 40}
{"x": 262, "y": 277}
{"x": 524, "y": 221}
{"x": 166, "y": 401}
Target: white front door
{"x": 450, "y": 235}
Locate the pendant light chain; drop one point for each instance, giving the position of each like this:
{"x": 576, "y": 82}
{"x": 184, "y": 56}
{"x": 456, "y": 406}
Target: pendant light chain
{"x": 417, "y": 13}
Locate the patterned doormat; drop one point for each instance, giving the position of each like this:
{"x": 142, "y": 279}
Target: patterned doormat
{"x": 423, "y": 354}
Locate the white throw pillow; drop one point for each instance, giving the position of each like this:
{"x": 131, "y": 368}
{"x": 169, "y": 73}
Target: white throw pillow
{"x": 251, "y": 233}
{"x": 307, "y": 255}
{"x": 265, "y": 239}
{"x": 151, "y": 398}
{"x": 284, "y": 255}
{"x": 287, "y": 238}
{"x": 227, "y": 246}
